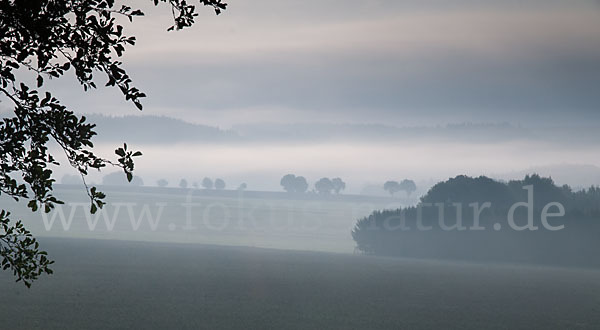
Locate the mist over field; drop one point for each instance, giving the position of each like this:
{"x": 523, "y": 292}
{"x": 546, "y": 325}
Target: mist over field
{"x": 326, "y": 165}
{"x": 363, "y": 154}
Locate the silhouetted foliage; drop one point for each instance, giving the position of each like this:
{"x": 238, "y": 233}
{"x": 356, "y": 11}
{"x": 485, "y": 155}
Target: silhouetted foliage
{"x": 162, "y": 183}
{"x": 219, "y": 184}
{"x": 442, "y": 224}
{"x": 466, "y": 189}
{"x": 207, "y": 183}
{"x": 242, "y": 187}
{"x": 47, "y": 39}
{"x": 20, "y": 251}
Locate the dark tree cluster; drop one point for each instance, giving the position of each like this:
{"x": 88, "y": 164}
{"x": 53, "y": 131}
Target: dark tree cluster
{"x": 208, "y": 183}
{"x": 42, "y": 40}
{"x": 219, "y": 184}
{"x": 467, "y": 218}
{"x": 324, "y": 186}
{"x": 408, "y": 186}
{"x": 294, "y": 184}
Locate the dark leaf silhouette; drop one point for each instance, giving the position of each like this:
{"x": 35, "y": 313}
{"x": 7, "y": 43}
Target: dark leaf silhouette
{"x": 49, "y": 39}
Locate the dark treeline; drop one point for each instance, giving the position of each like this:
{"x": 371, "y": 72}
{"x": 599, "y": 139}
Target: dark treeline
{"x": 324, "y": 186}
{"x": 157, "y": 130}
{"x": 161, "y": 130}
{"x": 470, "y": 219}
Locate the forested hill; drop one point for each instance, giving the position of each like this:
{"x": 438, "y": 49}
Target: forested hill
{"x": 162, "y": 129}
{"x": 530, "y": 220}
{"x": 502, "y": 195}
{"x": 156, "y": 130}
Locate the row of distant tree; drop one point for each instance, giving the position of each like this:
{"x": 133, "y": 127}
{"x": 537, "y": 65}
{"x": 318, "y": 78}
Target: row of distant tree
{"x": 112, "y": 179}
{"x": 325, "y": 186}
{"x": 207, "y": 183}
{"x": 118, "y": 179}
{"x": 290, "y": 183}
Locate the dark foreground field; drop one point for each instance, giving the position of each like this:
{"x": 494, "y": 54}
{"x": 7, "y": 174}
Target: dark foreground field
{"x": 114, "y": 284}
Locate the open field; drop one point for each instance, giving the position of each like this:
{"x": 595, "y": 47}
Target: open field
{"x": 116, "y": 284}
{"x": 126, "y": 268}
{"x": 259, "y": 219}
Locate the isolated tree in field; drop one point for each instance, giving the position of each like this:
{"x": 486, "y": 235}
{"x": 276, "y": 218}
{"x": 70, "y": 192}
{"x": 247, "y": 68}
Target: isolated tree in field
{"x": 408, "y": 186}
{"x": 294, "y": 184}
{"x": 219, "y": 184}
{"x": 183, "y": 183}
{"x": 242, "y": 187}
{"x": 338, "y": 185}
{"x": 207, "y": 183}
{"x": 43, "y": 39}
{"x": 162, "y": 183}
{"x": 392, "y": 187}
{"x": 288, "y": 182}
{"x": 324, "y": 186}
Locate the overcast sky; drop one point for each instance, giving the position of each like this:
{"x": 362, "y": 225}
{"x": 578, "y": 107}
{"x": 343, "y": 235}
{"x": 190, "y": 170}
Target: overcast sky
{"x": 399, "y": 62}
{"x": 361, "y": 90}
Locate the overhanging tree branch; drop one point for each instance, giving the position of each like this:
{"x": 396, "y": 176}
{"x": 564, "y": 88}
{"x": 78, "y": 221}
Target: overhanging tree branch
{"x": 51, "y": 38}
